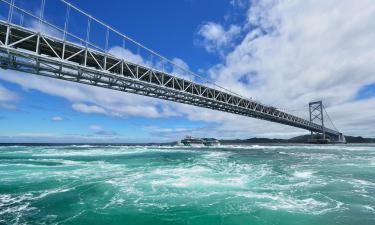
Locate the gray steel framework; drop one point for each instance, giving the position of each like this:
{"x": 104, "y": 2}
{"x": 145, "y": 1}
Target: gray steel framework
{"x": 316, "y": 115}
{"x": 30, "y": 51}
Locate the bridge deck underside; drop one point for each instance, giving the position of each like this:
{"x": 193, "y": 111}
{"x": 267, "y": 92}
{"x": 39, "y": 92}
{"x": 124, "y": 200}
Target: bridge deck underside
{"x": 32, "y": 52}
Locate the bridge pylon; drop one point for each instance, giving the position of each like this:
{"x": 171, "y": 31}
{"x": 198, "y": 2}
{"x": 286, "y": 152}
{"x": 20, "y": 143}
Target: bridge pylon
{"x": 317, "y": 116}
{"x": 316, "y": 109}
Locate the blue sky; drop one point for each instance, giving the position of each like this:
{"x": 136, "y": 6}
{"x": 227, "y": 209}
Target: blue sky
{"x": 256, "y": 48}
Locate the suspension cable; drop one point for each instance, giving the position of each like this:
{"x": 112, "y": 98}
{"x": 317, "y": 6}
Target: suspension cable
{"x": 329, "y": 118}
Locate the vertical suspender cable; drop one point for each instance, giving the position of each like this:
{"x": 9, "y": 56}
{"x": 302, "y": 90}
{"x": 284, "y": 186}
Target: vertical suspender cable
{"x": 41, "y": 13}
{"x": 66, "y": 24}
{"x": 10, "y": 14}
{"x": 21, "y": 19}
{"x": 88, "y": 31}
{"x": 106, "y": 39}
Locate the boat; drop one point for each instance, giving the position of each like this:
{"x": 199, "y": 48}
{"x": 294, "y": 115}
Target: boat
{"x": 199, "y": 142}
{"x": 192, "y": 141}
{"x": 211, "y": 142}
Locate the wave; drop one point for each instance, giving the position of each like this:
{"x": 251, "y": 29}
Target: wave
{"x": 234, "y": 179}
{"x": 283, "y": 202}
{"x": 13, "y": 208}
{"x": 303, "y": 174}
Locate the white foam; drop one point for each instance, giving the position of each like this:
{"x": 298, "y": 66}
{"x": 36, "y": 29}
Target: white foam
{"x": 15, "y": 205}
{"x": 192, "y": 176}
{"x": 303, "y": 174}
{"x": 281, "y": 201}
{"x": 198, "y": 182}
{"x": 369, "y": 208}
{"x": 179, "y": 171}
{"x": 217, "y": 155}
{"x": 255, "y": 195}
{"x": 105, "y": 151}
{"x": 115, "y": 201}
{"x": 363, "y": 182}
{"x": 184, "y": 182}
{"x": 52, "y": 191}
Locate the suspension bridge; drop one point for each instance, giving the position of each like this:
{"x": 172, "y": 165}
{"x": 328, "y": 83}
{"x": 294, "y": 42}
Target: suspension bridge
{"x": 32, "y": 42}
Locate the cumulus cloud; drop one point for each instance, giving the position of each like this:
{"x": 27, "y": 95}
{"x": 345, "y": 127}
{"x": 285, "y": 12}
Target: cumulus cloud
{"x": 215, "y": 37}
{"x": 298, "y": 52}
{"x": 181, "y": 69}
{"x": 176, "y": 66}
{"x": 127, "y": 55}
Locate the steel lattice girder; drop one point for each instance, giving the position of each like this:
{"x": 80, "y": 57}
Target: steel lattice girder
{"x": 29, "y": 51}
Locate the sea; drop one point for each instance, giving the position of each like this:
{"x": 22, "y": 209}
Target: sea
{"x": 131, "y": 185}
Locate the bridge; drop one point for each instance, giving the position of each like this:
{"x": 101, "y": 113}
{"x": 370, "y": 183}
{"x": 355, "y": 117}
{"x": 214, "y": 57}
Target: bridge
{"x": 43, "y": 48}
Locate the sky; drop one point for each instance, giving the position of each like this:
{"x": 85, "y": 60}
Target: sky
{"x": 282, "y": 53}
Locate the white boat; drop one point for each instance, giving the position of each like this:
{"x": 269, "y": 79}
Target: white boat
{"x": 211, "y": 142}
{"x": 200, "y": 142}
{"x": 192, "y": 141}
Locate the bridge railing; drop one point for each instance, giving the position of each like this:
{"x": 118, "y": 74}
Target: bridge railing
{"x": 60, "y": 19}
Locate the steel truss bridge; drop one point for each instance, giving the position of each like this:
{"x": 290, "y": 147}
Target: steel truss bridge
{"x": 37, "y": 52}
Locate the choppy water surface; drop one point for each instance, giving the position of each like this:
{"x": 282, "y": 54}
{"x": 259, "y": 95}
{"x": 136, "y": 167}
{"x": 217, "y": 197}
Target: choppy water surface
{"x": 295, "y": 184}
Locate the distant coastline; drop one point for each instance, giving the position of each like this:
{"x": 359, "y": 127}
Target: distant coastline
{"x": 303, "y": 139}
{"x": 295, "y": 140}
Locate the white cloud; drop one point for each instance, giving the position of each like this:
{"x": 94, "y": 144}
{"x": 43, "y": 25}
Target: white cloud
{"x": 216, "y": 38}
{"x": 44, "y": 28}
{"x": 8, "y": 98}
{"x": 57, "y": 118}
{"x": 98, "y": 137}
{"x": 181, "y": 69}
{"x": 226, "y": 125}
{"x": 299, "y": 51}
{"x": 176, "y": 66}
{"x": 35, "y": 134}
{"x": 239, "y": 3}
{"x": 84, "y": 108}
{"x": 89, "y": 99}
{"x": 127, "y": 55}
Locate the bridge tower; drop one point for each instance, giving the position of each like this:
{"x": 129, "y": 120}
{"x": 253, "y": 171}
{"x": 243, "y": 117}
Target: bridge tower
{"x": 316, "y": 111}
{"x": 316, "y": 116}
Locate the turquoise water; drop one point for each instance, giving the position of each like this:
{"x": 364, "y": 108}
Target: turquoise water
{"x": 287, "y": 184}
